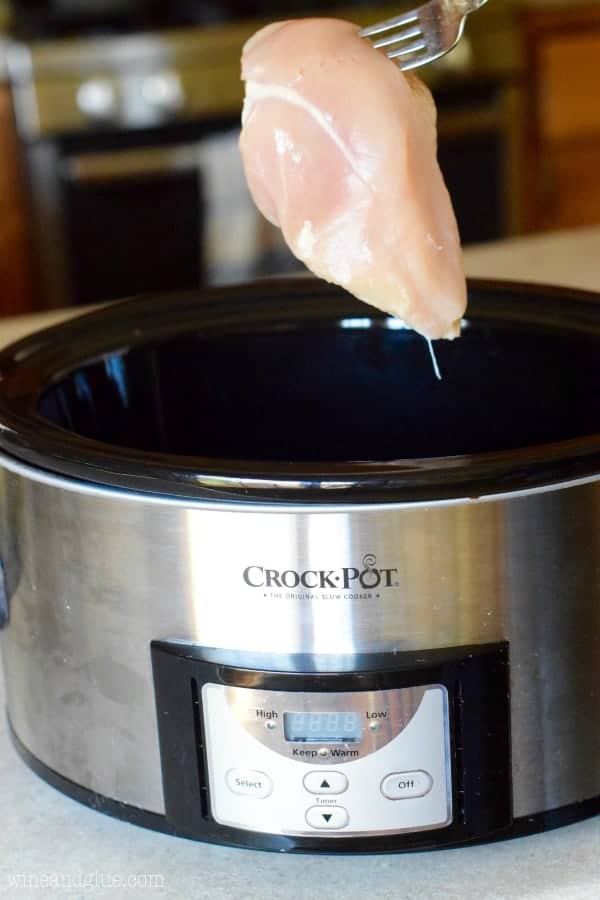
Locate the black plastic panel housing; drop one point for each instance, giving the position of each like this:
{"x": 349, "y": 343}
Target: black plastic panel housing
{"x": 478, "y": 687}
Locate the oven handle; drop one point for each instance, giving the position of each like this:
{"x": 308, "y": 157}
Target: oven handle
{"x": 3, "y": 598}
{"x": 123, "y": 164}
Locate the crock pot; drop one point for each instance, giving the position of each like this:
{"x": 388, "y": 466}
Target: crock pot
{"x": 267, "y": 582}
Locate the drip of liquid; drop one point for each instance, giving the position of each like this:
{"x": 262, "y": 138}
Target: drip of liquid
{"x": 436, "y": 367}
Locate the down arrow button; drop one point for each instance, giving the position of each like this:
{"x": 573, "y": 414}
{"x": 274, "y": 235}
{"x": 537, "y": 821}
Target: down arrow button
{"x": 334, "y": 819}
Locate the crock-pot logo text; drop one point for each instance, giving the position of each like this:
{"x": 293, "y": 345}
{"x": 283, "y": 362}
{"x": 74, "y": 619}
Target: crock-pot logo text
{"x": 368, "y": 577}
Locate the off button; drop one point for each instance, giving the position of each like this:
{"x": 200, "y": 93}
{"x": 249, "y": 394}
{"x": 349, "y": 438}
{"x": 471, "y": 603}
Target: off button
{"x": 406, "y": 785}
{"x": 248, "y": 783}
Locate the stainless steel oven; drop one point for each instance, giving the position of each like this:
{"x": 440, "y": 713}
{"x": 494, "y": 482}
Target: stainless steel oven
{"x": 130, "y": 148}
{"x": 130, "y": 151}
{"x": 115, "y": 222}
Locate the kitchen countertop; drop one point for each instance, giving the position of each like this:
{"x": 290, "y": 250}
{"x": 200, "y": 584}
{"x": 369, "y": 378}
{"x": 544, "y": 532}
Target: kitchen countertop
{"x": 569, "y": 258}
{"x": 50, "y": 843}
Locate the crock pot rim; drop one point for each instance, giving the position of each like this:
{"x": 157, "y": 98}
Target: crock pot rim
{"x": 40, "y": 443}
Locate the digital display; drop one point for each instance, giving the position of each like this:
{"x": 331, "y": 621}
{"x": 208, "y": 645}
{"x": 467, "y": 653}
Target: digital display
{"x": 323, "y": 727}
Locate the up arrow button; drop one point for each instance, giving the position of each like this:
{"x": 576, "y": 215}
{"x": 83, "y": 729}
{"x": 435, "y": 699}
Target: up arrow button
{"x": 325, "y": 782}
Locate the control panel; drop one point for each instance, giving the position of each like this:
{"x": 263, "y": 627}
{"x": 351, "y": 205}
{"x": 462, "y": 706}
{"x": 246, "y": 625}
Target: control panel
{"x": 328, "y": 764}
{"x": 397, "y": 751}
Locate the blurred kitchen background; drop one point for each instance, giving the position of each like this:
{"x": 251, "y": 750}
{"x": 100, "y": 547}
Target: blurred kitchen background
{"x": 119, "y": 168}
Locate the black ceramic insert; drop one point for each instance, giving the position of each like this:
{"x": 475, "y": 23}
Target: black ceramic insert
{"x": 338, "y": 391}
{"x": 270, "y": 390}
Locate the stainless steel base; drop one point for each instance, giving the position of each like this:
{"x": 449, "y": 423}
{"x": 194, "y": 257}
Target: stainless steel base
{"x": 526, "y": 825}
{"x": 93, "y": 575}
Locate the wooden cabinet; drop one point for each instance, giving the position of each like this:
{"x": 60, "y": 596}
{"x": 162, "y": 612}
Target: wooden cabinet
{"x": 15, "y": 257}
{"x": 562, "y": 115}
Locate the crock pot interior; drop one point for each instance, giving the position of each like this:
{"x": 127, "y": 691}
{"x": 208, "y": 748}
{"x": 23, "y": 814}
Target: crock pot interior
{"x": 339, "y": 391}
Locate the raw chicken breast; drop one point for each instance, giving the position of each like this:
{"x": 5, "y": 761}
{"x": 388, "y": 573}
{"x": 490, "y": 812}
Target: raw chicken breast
{"x": 340, "y": 151}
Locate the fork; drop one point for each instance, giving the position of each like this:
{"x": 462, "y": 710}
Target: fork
{"x": 423, "y": 35}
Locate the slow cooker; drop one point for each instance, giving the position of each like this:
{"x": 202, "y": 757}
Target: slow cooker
{"x": 268, "y": 582}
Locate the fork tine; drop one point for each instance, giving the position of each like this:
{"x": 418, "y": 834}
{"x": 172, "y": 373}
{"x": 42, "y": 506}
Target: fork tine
{"x": 424, "y": 59}
{"x": 405, "y": 35}
{"x": 407, "y": 50}
{"x": 421, "y": 59}
{"x": 396, "y": 22}
{"x": 423, "y": 35}
{"x": 416, "y": 62}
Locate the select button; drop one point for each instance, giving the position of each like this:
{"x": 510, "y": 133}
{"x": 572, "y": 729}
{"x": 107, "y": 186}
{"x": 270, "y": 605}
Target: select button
{"x": 248, "y": 783}
{"x": 406, "y": 785}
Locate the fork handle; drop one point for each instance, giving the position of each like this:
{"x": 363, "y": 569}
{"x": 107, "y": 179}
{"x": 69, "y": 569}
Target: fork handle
{"x": 471, "y": 5}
